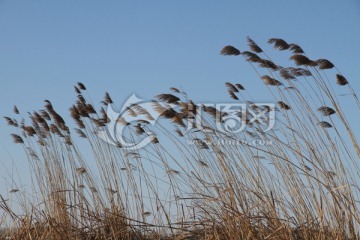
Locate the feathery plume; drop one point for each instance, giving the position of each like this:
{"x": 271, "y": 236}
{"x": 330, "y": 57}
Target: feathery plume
{"x": 104, "y": 116}
{"x": 324, "y": 64}
{"x": 251, "y": 57}
{"x": 81, "y": 170}
{"x": 16, "y": 110}
{"x": 81, "y": 86}
{"x": 177, "y": 119}
{"x": 139, "y": 130}
{"x": 279, "y": 43}
{"x": 10, "y": 121}
{"x": 48, "y": 106}
{"x": 154, "y": 140}
{"x": 202, "y": 163}
{"x": 188, "y": 109}
{"x": 54, "y": 129}
{"x": 296, "y": 48}
{"x": 77, "y": 90}
{"x": 341, "y": 80}
{"x": 74, "y": 112}
{"x": 45, "y": 115}
{"x": 17, "y": 138}
{"x": 80, "y": 133}
{"x": 179, "y": 132}
{"x": 123, "y": 122}
{"x": 300, "y": 59}
{"x": 201, "y": 144}
{"x": 81, "y": 99}
{"x": 299, "y": 71}
{"x": 253, "y": 46}
{"x": 232, "y": 95}
{"x": 268, "y": 64}
{"x": 239, "y": 86}
{"x": 29, "y": 130}
{"x": 271, "y": 81}
{"x": 108, "y": 98}
{"x": 324, "y": 124}
{"x": 230, "y": 50}
{"x": 97, "y": 122}
{"x": 286, "y": 74}
{"x": 283, "y": 105}
{"x": 326, "y": 111}
{"x": 169, "y": 98}
{"x": 68, "y": 140}
{"x": 141, "y": 111}
{"x": 231, "y": 87}
{"x": 172, "y": 171}
{"x": 90, "y": 109}
{"x": 169, "y": 113}
{"x": 175, "y": 90}
{"x": 131, "y": 111}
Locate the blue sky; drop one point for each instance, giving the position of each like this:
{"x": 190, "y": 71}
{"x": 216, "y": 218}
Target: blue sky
{"x": 146, "y": 47}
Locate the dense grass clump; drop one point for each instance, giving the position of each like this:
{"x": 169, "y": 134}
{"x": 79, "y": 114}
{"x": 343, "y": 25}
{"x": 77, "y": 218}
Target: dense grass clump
{"x": 297, "y": 180}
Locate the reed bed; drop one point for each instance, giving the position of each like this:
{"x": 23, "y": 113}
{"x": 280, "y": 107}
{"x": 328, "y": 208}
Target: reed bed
{"x": 194, "y": 181}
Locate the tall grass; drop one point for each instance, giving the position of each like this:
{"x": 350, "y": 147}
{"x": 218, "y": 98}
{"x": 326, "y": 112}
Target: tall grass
{"x": 188, "y": 183}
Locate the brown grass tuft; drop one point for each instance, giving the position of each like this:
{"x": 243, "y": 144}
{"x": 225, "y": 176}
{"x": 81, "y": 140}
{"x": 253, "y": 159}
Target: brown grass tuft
{"x": 251, "y": 57}
{"x": 325, "y": 124}
{"x": 286, "y": 74}
{"x": 169, "y": 98}
{"x": 296, "y": 48}
{"x": 17, "y": 138}
{"x": 283, "y": 105}
{"x": 239, "y": 86}
{"x": 232, "y": 95}
{"x": 326, "y": 111}
{"x": 107, "y": 98}
{"x": 77, "y": 90}
{"x": 341, "y": 80}
{"x": 271, "y": 81}
{"x": 230, "y": 50}
{"x": 301, "y": 60}
{"x": 324, "y": 64}
{"x": 16, "y": 110}
{"x": 268, "y": 64}
{"x": 81, "y": 86}
{"x": 231, "y": 87}
{"x": 279, "y": 43}
{"x": 175, "y": 90}
{"x": 299, "y": 71}
{"x": 253, "y": 46}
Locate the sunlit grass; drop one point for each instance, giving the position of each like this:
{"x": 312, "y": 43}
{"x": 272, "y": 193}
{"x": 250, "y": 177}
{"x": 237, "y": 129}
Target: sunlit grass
{"x": 299, "y": 182}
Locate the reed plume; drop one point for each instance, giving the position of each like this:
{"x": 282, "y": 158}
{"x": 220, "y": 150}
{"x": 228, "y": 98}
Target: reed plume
{"x": 324, "y": 64}
{"x": 296, "y": 48}
{"x": 253, "y": 46}
{"x": 341, "y": 80}
{"x": 169, "y": 98}
{"x": 326, "y": 111}
{"x": 271, "y": 81}
{"x": 279, "y": 43}
{"x": 230, "y": 50}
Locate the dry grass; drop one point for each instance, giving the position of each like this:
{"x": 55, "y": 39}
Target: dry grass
{"x": 304, "y": 185}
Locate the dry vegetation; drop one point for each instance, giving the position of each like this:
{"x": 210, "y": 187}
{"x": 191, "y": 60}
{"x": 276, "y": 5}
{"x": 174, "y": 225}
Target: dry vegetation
{"x": 304, "y": 185}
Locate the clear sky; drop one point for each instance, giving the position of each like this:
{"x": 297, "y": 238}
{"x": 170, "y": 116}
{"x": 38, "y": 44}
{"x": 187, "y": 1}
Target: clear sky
{"x": 145, "y": 47}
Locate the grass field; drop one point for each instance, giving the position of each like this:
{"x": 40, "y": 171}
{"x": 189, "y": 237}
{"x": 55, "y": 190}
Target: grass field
{"x": 296, "y": 180}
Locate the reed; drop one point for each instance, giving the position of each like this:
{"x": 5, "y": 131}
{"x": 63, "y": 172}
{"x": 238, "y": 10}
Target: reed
{"x": 194, "y": 181}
